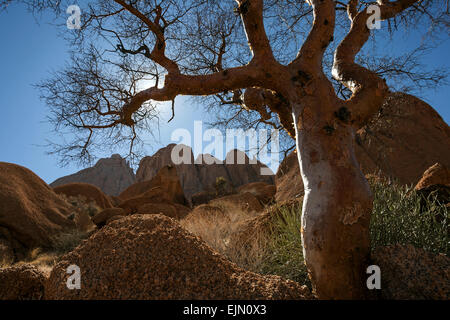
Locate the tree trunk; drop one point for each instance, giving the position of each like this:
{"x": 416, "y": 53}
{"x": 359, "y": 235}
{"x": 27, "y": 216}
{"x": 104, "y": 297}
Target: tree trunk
{"x": 336, "y": 211}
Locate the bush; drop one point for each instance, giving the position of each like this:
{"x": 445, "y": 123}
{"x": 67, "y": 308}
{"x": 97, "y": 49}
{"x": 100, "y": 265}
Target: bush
{"x": 80, "y": 205}
{"x": 402, "y": 216}
{"x": 67, "y": 241}
{"x": 284, "y": 256}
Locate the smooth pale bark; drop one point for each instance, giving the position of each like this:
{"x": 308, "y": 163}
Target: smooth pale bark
{"x": 336, "y": 212}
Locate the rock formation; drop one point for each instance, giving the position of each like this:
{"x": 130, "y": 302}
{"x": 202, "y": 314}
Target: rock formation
{"x": 153, "y": 257}
{"x": 405, "y": 138}
{"x": 409, "y": 273}
{"x": 31, "y": 214}
{"x": 111, "y": 175}
{"x": 198, "y": 177}
{"x": 88, "y": 191}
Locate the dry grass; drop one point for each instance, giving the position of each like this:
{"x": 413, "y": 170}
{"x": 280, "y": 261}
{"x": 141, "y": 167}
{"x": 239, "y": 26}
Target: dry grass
{"x": 217, "y": 224}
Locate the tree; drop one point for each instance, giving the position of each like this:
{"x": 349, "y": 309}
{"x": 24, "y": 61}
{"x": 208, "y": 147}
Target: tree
{"x": 201, "y": 48}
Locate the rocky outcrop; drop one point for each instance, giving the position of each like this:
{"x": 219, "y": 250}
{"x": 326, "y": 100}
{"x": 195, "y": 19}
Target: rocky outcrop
{"x": 31, "y": 214}
{"x": 200, "y": 175}
{"x": 111, "y": 175}
{"x": 242, "y": 201}
{"x": 102, "y": 218}
{"x": 87, "y": 191}
{"x": 24, "y": 282}
{"x": 172, "y": 210}
{"x": 434, "y": 175}
{"x": 165, "y": 184}
{"x": 153, "y": 257}
{"x": 436, "y": 181}
{"x": 405, "y": 138}
{"x": 409, "y": 273}
{"x": 264, "y": 192}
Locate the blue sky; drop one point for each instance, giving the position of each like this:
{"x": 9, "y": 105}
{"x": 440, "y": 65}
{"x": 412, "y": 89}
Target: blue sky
{"x": 29, "y": 51}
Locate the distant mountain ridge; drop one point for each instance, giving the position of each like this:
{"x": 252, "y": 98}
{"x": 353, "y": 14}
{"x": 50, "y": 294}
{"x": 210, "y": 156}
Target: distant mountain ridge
{"x": 113, "y": 175}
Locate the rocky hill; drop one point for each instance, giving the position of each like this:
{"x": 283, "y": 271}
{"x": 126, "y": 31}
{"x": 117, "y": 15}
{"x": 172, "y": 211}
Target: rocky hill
{"x": 111, "y": 175}
{"x": 405, "y": 138}
{"x": 200, "y": 176}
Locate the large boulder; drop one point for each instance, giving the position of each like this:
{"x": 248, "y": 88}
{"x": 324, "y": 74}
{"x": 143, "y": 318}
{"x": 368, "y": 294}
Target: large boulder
{"x": 172, "y": 210}
{"x": 102, "y": 218}
{"x": 23, "y": 282}
{"x": 86, "y": 190}
{"x": 435, "y": 180}
{"x": 264, "y": 192}
{"x": 244, "y": 201}
{"x": 153, "y": 257}
{"x": 437, "y": 174}
{"x": 31, "y": 214}
{"x": 111, "y": 175}
{"x": 405, "y": 138}
{"x": 164, "y": 185}
{"x": 410, "y": 273}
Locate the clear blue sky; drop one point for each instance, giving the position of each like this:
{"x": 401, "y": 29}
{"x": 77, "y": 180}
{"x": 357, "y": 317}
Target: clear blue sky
{"x": 29, "y": 51}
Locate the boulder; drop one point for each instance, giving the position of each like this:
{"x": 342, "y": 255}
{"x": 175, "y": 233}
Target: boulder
{"x": 244, "y": 201}
{"x": 101, "y": 218}
{"x": 264, "y": 192}
{"x": 111, "y": 175}
{"x": 437, "y": 174}
{"x": 153, "y": 257}
{"x": 409, "y": 273}
{"x": 436, "y": 180}
{"x": 165, "y": 185}
{"x": 87, "y": 191}
{"x": 31, "y": 214}
{"x": 405, "y": 138}
{"x": 23, "y": 282}
{"x": 202, "y": 197}
{"x": 167, "y": 209}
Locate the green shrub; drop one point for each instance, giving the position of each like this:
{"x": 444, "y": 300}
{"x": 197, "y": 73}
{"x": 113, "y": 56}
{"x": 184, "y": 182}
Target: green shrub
{"x": 221, "y": 186}
{"x": 402, "y": 216}
{"x": 80, "y": 204}
{"x": 284, "y": 255}
{"x": 67, "y": 241}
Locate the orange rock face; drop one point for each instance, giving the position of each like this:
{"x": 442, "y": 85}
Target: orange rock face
{"x": 101, "y": 218}
{"x": 434, "y": 175}
{"x": 88, "y": 191}
{"x": 31, "y": 214}
{"x": 165, "y": 185}
{"x": 401, "y": 142}
{"x": 153, "y": 257}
